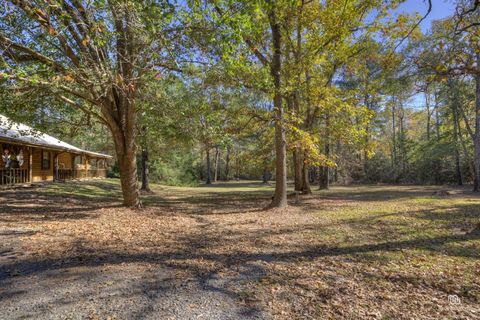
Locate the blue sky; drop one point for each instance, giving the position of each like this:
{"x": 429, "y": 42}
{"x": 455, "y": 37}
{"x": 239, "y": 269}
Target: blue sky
{"x": 440, "y": 9}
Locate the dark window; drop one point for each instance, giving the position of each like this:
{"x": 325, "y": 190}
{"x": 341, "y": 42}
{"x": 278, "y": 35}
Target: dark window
{"x": 45, "y": 160}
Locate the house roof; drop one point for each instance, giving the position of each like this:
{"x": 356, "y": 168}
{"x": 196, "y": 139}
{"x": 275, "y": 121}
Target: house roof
{"x": 23, "y": 134}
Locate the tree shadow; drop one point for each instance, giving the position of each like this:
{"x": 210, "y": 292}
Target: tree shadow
{"x": 207, "y": 241}
{"x": 378, "y": 193}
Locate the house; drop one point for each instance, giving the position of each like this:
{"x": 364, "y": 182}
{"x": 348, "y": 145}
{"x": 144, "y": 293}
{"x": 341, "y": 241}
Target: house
{"x": 30, "y": 156}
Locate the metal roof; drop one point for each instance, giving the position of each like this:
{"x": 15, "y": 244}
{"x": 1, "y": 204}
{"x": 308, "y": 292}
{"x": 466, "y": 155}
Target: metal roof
{"x": 21, "y": 133}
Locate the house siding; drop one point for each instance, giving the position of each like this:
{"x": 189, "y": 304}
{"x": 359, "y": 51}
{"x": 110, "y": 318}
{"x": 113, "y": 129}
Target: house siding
{"x": 38, "y": 174}
{"x": 84, "y": 169}
{"x": 65, "y": 160}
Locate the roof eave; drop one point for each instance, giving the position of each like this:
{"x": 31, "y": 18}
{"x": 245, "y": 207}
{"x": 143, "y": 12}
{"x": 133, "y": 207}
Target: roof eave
{"x": 50, "y": 147}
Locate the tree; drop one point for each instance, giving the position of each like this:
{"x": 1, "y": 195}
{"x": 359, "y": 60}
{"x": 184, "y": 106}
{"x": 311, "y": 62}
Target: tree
{"x": 457, "y": 52}
{"x": 90, "y": 55}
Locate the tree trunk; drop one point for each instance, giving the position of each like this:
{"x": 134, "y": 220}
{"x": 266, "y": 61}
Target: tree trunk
{"x": 298, "y": 168}
{"x": 458, "y": 171}
{"x": 471, "y": 165}
{"x": 471, "y": 134}
{"x": 293, "y": 106}
{"x": 209, "y": 167}
{"x": 323, "y": 180}
{"x": 266, "y": 175}
{"x": 476, "y": 142}
{"x": 324, "y": 177}
{"x": 217, "y": 156}
{"x": 427, "y": 105}
{"x": 437, "y": 117}
{"x": 454, "y": 104}
{"x": 128, "y": 174}
{"x": 402, "y": 148}
{"x": 123, "y": 133}
{"x": 145, "y": 170}
{"x": 280, "y": 196}
{"x": 227, "y": 164}
{"x": 306, "y": 179}
{"x": 369, "y": 104}
{"x": 394, "y": 142}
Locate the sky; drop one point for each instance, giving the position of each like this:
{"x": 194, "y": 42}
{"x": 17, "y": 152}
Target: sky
{"x": 440, "y": 9}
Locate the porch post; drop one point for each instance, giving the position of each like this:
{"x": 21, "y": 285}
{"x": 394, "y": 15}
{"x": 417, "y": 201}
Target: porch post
{"x": 86, "y": 164}
{"x": 30, "y": 165}
{"x": 72, "y": 165}
{"x": 96, "y": 166}
{"x": 55, "y": 167}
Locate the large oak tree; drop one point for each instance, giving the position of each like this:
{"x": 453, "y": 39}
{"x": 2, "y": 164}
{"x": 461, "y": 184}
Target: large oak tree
{"x": 92, "y": 55}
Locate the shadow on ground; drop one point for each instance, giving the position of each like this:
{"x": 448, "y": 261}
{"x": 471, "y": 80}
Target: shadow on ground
{"x": 202, "y": 273}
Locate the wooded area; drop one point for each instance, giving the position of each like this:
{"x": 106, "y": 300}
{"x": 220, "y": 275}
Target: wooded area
{"x": 256, "y": 159}
{"x": 341, "y": 91}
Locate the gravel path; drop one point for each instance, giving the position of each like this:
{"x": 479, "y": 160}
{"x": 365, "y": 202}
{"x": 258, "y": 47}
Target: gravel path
{"x": 122, "y": 291}
{"x": 58, "y": 261}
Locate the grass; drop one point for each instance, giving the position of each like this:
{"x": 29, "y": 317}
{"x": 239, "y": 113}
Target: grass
{"x": 386, "y": 252}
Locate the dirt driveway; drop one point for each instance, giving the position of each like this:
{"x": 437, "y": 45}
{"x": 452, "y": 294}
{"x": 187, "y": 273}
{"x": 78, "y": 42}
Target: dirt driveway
{"x": 71, "y": 251}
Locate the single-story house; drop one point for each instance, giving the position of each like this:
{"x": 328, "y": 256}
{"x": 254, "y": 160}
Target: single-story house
{"x": 29, "y": 156}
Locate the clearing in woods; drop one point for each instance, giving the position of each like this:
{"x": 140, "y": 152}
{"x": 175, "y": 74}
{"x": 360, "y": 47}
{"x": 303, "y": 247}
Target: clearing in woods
{"x": 360, "y": 252}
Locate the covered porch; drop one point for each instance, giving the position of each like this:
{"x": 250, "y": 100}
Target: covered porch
{"x": 29, "y": 156}
{"x": 32, "y": 164}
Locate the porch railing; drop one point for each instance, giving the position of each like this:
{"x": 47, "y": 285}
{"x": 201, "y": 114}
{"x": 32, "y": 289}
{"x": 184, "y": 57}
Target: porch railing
{"x": 65, "y": 174}
{"x": 20, "y": 176}
{"x": 14, "y": 176}
{"x": 70, "y": 174}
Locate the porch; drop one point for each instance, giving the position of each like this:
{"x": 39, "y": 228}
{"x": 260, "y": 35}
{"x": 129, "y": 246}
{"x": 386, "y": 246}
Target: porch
{"x": 29, "y": 156}
{"x": 11, "y": 177}
{"x": 46, "y": 165}
{"x": 72, "y": 174}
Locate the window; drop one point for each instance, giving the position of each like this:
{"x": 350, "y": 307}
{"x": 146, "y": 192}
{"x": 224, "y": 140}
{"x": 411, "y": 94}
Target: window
{"x": 45, "y": 160}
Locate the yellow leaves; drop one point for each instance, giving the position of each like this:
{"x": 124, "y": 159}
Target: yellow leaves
{"x": 309, "y": 144}
{"x": 85, "y": 41}
{"x": 68, "y": 77}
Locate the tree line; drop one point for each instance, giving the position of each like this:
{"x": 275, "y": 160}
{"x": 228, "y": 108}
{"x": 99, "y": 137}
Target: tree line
{"x": 317, "y": 91}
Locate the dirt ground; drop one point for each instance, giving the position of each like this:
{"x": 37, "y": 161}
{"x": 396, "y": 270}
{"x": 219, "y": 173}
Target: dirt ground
{"x": 70, "y": 251}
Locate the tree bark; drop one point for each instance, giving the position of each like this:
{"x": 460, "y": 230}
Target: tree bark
{"x": 306, "y": 179}
{"x": 437, "y": 117}
{"x": 394, "y": 142}
{"x": 217, "y": 156}
{"x": 122, "y": 127}
{"x": 280, "y": 197}
{"x": 323, "y": 180}
{"x": 209, "y": 167}
{"x": 324, "y": 177}
{"x": 476, "y": 142}
{"x": 456, "y": 132}
{"x": 471, "y": 134}
{"x": 298, "y": 169}
{"x": 265, "y": 176}
{"x": 145, "y": 170}
{"x": 402, "y": 147}
{"x": 227, "y": 164}
{"x": 471, "y": 165}
{"x": 128, "y": 173}
{"x": 429, "y": 115}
